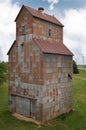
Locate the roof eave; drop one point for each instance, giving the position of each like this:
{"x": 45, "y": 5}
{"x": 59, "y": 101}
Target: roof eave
{"x": 23, "y": 6}
{"x": 19, "y": 13}
{"x": 61, "y": 25}
{"x": 58, "y": 54}
{"x": 11, "y": 47}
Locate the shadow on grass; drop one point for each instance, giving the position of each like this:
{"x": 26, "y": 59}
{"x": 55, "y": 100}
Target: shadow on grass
{"x": 65, "y": 115}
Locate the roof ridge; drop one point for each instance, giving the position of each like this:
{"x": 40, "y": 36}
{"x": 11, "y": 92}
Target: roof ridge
{"x": 39, "y": 12}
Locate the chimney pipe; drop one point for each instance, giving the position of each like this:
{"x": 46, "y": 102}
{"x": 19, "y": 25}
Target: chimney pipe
{"x": 40, "y": 9}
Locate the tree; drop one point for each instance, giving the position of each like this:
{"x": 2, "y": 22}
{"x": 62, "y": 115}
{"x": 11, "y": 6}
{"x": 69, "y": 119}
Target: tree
{"x": 75, "y": 68}
{"x": 3, "y": 72}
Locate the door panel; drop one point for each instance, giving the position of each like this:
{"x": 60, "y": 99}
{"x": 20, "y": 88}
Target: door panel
{"x": 26, "y": 107}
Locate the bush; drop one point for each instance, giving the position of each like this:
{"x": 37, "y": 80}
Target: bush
{"x": 3, "y": 72}
{"x": 75, "y": 68}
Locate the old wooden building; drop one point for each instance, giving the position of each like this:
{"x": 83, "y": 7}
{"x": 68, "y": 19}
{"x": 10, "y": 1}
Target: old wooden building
{"x": 40, "y": 67}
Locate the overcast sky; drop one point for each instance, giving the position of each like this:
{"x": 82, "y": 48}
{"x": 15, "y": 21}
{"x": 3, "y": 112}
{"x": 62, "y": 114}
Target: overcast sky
{"x": 72, "y": 13}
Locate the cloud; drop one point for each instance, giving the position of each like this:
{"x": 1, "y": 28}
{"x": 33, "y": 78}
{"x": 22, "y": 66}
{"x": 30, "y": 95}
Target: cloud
{"x": 7, "y": 25}
{"x": 74, "y": 21}
{"x": 52, "y": 3}
{"x": 1, "y": 54}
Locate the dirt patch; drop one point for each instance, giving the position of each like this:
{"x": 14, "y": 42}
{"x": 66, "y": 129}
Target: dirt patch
{"x": 21, "y": 117}
{"x": 82, "y": 68}
{"x": 77, "y": 77}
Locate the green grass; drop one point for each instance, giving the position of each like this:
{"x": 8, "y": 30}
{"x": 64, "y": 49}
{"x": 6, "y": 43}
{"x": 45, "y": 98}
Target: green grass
{"x": 7, "y": 121}
{"x": 75, "y": 120}
{"x": 82, "y": 73}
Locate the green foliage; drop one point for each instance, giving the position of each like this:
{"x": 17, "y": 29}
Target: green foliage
{"x": 3, "y": 72}
{"x": 75, "y": 68}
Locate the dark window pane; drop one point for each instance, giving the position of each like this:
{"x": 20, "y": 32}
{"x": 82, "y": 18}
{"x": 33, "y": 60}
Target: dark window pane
{"x": 23, "y": 30}
{"x": 49, "y": 32}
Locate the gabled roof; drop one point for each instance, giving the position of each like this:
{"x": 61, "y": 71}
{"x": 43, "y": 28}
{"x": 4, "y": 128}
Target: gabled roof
{"x": 42, "y": 16}
{"x": 53, "y": 48}
{"x": 11, "y": 47}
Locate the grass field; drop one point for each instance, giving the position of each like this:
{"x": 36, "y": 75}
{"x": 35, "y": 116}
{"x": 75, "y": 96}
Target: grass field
{"x": 75, "y": 120}
{"x": 82, "y": 73}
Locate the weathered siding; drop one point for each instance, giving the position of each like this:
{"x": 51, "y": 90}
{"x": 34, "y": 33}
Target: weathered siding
{"x": 40, "y": 30}
{"x": 57, "y": 90}
{"x": 25, "y": 18}
{"x": 13, "y": 67}
{"x": 28, "y": 81}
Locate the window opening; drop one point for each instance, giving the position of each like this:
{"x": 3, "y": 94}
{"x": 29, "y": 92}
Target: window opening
{"x": 23, "y": 30}
{"x": 49, "y": 32}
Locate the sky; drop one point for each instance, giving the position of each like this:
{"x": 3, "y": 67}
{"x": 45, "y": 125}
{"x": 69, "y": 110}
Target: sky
{"x": 71, "y": 13}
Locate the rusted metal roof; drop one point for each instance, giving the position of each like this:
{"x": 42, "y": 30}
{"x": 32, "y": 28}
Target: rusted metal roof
{"x": 53, "y": 48}
{"x": 40, "y": 15}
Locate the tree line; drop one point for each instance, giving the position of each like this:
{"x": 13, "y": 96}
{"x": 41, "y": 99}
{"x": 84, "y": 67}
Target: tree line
{"x": 3, "y": 72}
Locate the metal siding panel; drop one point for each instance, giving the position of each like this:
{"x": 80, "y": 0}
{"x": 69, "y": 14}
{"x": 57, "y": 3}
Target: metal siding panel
{"x": 18, "y": 105}
{"x": 23, "y": 106}
{"x": 12, "y": 103}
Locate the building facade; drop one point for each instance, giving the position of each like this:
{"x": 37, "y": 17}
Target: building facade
{"x": 40, "y": 67}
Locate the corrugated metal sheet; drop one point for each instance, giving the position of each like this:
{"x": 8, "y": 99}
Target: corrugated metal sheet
{"x": 54, "y": 48}
{"x": 12, "y": 103}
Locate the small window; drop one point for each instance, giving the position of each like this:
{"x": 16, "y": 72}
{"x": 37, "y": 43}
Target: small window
{"x": 23, "y": 30}
{"x": 49, "y": 32}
